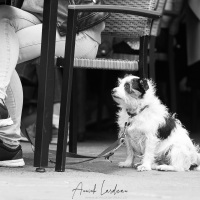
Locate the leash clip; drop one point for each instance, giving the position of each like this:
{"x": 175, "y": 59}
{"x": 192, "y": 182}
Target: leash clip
{"x": 123, "y": 134}
{"x": 107, "y": 157}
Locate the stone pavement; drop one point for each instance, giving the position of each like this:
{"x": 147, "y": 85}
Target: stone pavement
{"x": 98, "y": 179}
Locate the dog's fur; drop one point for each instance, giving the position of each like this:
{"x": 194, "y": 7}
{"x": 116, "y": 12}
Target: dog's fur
{"x": 153, "y": 134}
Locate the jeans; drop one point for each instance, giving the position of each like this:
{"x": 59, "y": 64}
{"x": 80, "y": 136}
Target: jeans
{"x": 20, "y": 41}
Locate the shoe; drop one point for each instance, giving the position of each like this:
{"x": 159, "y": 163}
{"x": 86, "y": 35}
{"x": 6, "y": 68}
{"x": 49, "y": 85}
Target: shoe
{"x": 5, "y": 119}
{"x": 10, "y": 157}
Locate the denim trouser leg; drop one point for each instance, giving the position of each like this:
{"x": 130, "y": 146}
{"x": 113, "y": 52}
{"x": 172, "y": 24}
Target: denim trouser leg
{"x": 12, "y": 20}
{"x": 9, "y": 51}
{"x": 20, "y": 40}
{"x": 14, "y": 102}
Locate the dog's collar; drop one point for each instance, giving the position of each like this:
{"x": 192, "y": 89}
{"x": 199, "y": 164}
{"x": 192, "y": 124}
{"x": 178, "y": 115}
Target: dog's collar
{"x": 134, "y": 114}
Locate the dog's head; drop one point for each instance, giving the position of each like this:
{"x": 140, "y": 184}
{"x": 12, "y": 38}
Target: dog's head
{"x": 130, "y": 89}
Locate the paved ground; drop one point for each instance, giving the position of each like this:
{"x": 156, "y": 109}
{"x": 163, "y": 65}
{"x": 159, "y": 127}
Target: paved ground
{"x": 97, "y": 179}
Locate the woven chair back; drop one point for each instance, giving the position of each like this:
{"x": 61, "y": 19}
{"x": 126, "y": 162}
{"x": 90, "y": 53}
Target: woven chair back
{"x": 129, "y": 26}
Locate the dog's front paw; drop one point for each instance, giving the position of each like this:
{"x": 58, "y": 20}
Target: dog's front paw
{"x": 125, "y": 164}
{"x": 143, "y": 167}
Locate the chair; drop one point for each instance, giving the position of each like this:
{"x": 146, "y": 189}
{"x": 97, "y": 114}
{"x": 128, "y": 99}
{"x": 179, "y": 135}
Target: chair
{"x": 118, "y": 25}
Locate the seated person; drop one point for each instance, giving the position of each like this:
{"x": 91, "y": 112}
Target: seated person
{"x": 20, "y": 39}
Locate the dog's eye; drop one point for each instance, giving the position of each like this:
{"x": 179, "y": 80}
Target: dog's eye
{"x": 127, "y": 88}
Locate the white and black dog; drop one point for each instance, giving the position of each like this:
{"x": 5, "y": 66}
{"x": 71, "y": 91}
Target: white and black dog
{"x": 153, "y": 134}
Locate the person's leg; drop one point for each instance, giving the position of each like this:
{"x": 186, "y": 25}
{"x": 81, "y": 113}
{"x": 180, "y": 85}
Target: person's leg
{"x": 9, "y": 50}
{"x": 10, "y": 150}
{"x": 30, "y": 47}
{"x": 14, "y": 102}
{"x": 11, "y": 20}
{"x": 85, "y": 47}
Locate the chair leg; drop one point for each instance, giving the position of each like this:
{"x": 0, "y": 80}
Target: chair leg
{"x": 143, "y": 67}
{"x": 46, "y": 87}
{"x": 66, "y": 91}
{"x": 73, "y": 126}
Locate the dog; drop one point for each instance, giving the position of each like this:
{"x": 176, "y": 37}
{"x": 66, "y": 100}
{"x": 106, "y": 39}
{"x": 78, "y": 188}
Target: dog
{"x": 152, "y": 133}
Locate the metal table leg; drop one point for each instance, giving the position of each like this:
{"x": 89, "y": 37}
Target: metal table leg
{"x": 45, "y": 91}
{"x": 66, "y": 93}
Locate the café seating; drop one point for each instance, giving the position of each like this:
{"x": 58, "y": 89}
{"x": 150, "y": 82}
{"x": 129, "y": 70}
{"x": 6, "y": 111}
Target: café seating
{"x": 138, "y": 20}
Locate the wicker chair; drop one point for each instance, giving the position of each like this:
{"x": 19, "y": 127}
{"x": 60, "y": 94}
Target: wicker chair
{"x": 132, "y": 28}
{"x": 135, "y": 25}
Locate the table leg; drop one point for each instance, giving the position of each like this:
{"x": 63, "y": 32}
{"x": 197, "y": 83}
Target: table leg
{"x": 66, "y": 91}
{"x": 45, "y": 90}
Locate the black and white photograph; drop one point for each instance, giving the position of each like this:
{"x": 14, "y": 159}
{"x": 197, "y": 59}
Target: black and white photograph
{"x": 99, "y": 99}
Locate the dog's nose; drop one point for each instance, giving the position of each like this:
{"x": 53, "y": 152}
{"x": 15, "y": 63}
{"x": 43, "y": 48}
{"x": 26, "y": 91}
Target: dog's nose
{"x": 113, "y": 91}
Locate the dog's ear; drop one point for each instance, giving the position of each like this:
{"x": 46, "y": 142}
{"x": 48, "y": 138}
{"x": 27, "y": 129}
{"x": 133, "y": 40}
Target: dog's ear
{"x": 140, "y": 85}
{"x": 135, "y": 84}
{"x": 144, "y": 84}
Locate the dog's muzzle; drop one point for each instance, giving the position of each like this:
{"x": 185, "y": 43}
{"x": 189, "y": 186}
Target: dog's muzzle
{"x": 113, "y": 93}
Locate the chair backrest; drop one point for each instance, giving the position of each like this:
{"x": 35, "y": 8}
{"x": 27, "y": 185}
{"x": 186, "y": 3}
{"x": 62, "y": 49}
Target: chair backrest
{"x": 129, "y": 26}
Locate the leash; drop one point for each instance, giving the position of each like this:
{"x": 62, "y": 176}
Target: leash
{"x": 107, "y": 153}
